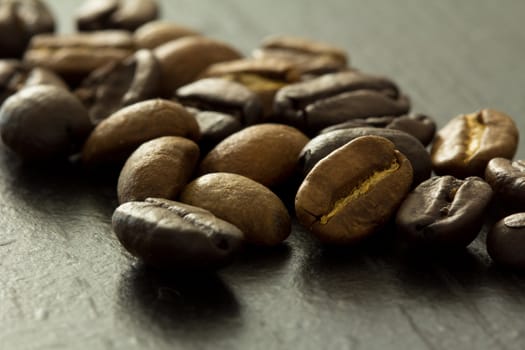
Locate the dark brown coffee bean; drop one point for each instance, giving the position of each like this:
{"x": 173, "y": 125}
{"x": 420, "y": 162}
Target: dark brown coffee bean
{"x": 42, "y": 122}
{"x": 221, "y": 95}
{"x": 247, "y": 204}
{"x": 506, "y": 241}
{"x": 116, "y": 137}
{"x": 158, "y": 168}
{"x": 115, "y": 14}
{"x": 74, "y": 56}
{"x": 507, "y": 179}
{"x": 444, "y": 212}
{"x": 266, "y": 153}
{"x": 215, "y": 127}
{"x": 182, "y": 60}
{"x": 354, "y": 190}
{"x": 335, "y": 98}
{"x": 320, "y": 146}
{"x": 19, "y": 21}
{"x": 468, "y": 142}
{"x": 120, "y": 84}
{"x": 15, "y": 75}
{"x": 156, "y": 33}
{"x": 173, "y": 235}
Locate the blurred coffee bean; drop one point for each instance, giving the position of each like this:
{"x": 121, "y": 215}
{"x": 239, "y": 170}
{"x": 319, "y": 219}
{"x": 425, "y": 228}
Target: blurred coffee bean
{"x": 506, "y": 241}
{"x": 155, "y": 33}
{"x": 119, "y": 84}
{"x": 214, "y": 128}
{"x": 468, "y": 142}
{"x": 507, "y": 179}
{"x": 444, "y": 212}
{"x": 115, "y": 14}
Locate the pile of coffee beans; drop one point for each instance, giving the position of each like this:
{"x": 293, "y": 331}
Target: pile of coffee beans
{"x": 208, "y": 141}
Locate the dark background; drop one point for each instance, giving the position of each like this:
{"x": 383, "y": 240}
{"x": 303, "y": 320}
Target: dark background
{"x": 65, "y": 282}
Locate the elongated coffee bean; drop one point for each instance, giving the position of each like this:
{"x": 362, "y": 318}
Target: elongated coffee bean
{"x": 444, "y": 212}
{"x": 507, "y": 179}
{"x": 506, "y": 241}
{"x": 174, "y": 235}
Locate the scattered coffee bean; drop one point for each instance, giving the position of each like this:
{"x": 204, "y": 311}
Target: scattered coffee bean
{"x": 215, "y": 127}
{"x": 266, "y": 153}
{"x": 42, "y": 122}
{"x": 173, "y": 235}
{"x": 468, "y": 142}
{"x": 507, "y": 179}
{"x": 158, "y": 168}
{"x": 119, "y": 84}
{"x": 116, "y": 137}
{"x": 19, "y": 21}
{"x": 115, "y": 14}
{"x": 247, "y": 204}
{"x": 444, "y": 212}
{"x": 506, "y": 241}
{"x": 354, "y": 190}
{"x": 156, "y": 33}
{"x": 322, "y": 145}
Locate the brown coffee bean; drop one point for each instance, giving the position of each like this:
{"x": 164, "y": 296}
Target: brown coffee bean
{"x": 507, "y": 179}
{"x": 115, "y": 14}
{"x": 215, "y": 127}
{"x": 42, "y": 122}
{"x": 176, "y": 236}
{"x": 19, "y": 21}
{"x": 158, "y": 168}
{"x": 116, "y": 137}
{"x": 266, "y": 153}
{"x": 468, "y": 142}
{"x": 156, "y": 33}
{"x": 506, "y": 241}
{"x": 74, "y": 56}
{"x": 182, "y": 60}
{"x": 354, "y": 190}
{"x": 221, "y": 95}
{"x": 119, "y": 84}
{"x": 247, "y": 204}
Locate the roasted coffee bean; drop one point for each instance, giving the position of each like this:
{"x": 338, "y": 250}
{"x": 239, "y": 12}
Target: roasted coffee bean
{"x": 266, "y": 153}
{"x": 15, "y": 75}
{"x": 221, "y": 95}
{"x": 74, "y": 56}
{"x": 215, "y": 127}
{"x": 507, "y": 179}
{"x": 42, "y": 122}
{"x": 115, "y": 14}
{"x": 320, "y": 146}
{"x": 158, "y": 168}
{"x": 19, "y": 21}
{"x": 420, "y": 126}
{"x": 468, "y": 142}
{"x": 119, "y": 84}
{"x": 354, "y": 190}
{"x": 182, "y": 60}
{"x": 247, "y": 204}
{"x": 156, "y": 33}
{"x": 444, "y": 212}
{"x": 335, "y": 98}
{"x": 173, "y": 235}
{"x": 116, "y": 137}
{"x": 506, "y": 241}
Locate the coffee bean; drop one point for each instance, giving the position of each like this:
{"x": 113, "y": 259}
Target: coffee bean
{"x": 215, "y": 127}
{"x": 173, "y": 235}
{"x": 266, "y": 153}
{"x": 158, "y": 168}
{"x": 354, "y": 190}
{"x": 506, "y": 241}
{"x": 221, "y": 95}
{"x": 119, "y": 84}
{"x": 182, "y": 60}
{"x": 74, "y": 56}
{"x": 15, "y": 75}
{"x": 335, "y": 98}
{"x": 247, "y": 204}
{"x": 116, "y": 137}
{"x": 19, "y": 21}
{"x": 115, "y": 14}
{"x": 42, "y": 122}
{"x": 156, "y": 33}
{"x": 322, "y": 145}
{"x": 468, "y": 142}
{"x": 507, "y": 179}
{"x": 444, "y": 212}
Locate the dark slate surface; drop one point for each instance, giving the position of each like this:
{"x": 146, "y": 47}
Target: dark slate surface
{"x": 65, "y": 283}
